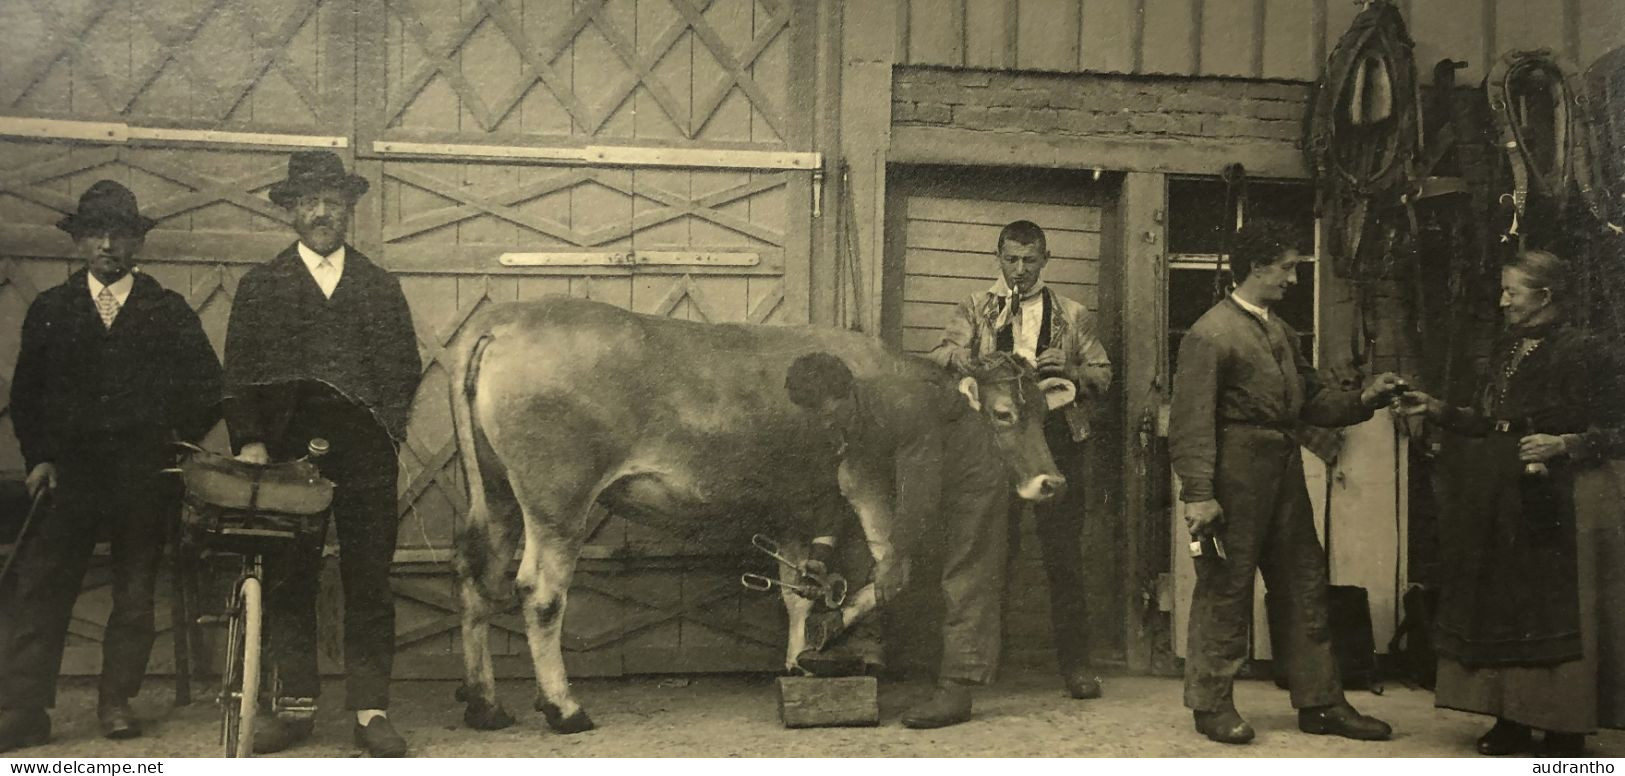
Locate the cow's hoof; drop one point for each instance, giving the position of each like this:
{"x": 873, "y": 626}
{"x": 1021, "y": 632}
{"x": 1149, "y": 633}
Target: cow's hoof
{"x": 484, "y": 715}
{"x": 578, "y": 722}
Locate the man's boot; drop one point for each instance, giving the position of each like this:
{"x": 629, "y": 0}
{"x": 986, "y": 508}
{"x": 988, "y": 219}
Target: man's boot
{"x": 1082, "y": 685}
{"x": 1340, "y": 719}
{"x": 1224, "y": 726}
{"x": 275, "y": 734}
{"x": 949, "y": 705}
{"x": 117, "y": 720}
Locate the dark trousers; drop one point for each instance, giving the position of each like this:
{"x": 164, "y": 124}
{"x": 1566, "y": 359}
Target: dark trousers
{"x": 1059, "y": 525}
{"x": 1268, "y": 527}
{"x": 105, "y": 487}
{"x": 362, "y": 466}
{"x": 974, "y": 485}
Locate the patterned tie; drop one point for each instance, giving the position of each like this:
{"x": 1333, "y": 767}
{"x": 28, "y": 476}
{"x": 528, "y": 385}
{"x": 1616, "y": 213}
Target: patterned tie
{"x": 107, "y": 305}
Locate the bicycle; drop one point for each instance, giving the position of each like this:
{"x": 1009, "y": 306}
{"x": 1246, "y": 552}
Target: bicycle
{"x": 250, "y": 511}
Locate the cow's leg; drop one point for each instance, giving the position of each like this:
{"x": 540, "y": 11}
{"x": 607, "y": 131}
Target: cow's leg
{"x": 870, "y": 498}
{"x": 482, "y": 560}
{"x": 798, "y": 609}
{"x": 483, "y": 549}
{"x": 544, "y": 580}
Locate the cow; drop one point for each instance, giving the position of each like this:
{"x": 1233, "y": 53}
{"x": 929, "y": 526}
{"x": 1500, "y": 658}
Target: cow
{"x": 565, "y": 407}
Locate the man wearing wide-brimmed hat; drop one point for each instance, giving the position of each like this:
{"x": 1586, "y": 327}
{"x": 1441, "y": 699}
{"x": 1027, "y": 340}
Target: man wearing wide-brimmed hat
{"x": 113, "y": 368}
{"x": 321, "y": 344}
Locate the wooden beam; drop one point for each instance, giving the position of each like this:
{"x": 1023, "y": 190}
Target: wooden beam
{"x": 116, "y": 132}
{"x": 615, "y": 156}
{"x": 1144, "y": 386}
{"x": 948, "y": 145}
{"x": 211, "y": 137}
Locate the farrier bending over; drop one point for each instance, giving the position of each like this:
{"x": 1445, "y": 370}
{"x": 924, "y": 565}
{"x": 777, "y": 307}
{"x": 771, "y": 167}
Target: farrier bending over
{"x": 948, "y": 480}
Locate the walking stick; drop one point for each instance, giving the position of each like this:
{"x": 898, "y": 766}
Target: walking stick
{"x": 181, "y": 616}
{"x": 22, "y": 533}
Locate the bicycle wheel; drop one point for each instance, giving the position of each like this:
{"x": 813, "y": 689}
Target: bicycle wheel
{"x": 241, "y": 682}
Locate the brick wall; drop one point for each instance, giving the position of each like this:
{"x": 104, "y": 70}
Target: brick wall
{"x": 1099, "y": 105}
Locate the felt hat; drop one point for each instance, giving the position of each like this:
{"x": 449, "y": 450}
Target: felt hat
{"x": 312, "y": 171}
{"x": 106, "y": 205}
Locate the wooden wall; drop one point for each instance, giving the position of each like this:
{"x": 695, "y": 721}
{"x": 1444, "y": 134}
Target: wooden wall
{"x": 1253, "y": 38}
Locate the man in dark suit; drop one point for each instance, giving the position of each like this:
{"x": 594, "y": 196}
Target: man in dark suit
{"x": 321, "y": 344}
{"x": 113, "y": 369}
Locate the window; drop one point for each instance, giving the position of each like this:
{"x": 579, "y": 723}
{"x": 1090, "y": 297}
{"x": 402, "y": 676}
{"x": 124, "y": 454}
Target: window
{"x": 1198, "y": 270}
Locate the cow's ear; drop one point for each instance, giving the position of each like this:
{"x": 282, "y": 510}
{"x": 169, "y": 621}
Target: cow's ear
{"x": 972, "y": 392}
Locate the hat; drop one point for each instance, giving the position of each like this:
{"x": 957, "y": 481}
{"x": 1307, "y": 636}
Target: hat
{"x": 106, "y": 204}
{"x": 312, "y": 170}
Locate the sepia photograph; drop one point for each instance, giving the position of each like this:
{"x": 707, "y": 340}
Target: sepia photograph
{"x": 812, "y": 379}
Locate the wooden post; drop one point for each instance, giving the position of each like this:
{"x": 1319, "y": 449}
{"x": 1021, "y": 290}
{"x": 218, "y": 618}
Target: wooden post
{"x": 849, "y": 701}
{"x": 1144, "y": 389}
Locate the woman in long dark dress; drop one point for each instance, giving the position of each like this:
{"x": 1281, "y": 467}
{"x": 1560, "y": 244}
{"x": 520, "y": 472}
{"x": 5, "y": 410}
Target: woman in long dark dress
{"x": 1531, "y": 541}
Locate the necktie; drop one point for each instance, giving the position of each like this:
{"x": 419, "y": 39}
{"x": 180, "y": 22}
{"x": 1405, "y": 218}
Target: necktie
{"x": 325, "y": 271}
{"x": 1015, "y": 315}
{"x": 107, "y": 305}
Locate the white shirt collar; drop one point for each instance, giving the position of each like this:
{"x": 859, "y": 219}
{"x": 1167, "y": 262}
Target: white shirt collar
{"x": 1262, "y": 313}
{"x": 313, "y": 259}
{"x": 327, "y": 280}
{"x": 121, "y": 287}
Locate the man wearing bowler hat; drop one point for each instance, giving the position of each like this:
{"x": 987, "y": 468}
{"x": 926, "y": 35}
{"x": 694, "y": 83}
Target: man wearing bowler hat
{"x": 113, "y": 370}
{"x": 321, "y": 344}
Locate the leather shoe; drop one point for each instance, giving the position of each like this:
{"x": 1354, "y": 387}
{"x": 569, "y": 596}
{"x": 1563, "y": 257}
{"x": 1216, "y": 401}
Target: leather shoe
{"x": 379, "y": 738}
{"x": 1224, "y": 726}
{"x": 1082, "y": 686}
{"x": 274, "y": 734}
{"x": 117, "y": 721}
{"x": 1340, "y": 719}
{"x": 23, "y": 727}
{"x": 949, "y": 705}
{"x": 1563, "y": 744}
{"x": 1507, "y": 737}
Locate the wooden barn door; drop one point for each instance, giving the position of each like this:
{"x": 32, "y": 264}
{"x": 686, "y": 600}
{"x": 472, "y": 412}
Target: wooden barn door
{"x": 646, "y": 153}
{"x": 943, "y": 227}
{"x": 197, "y": 137}
{"x": 642, "y": 153}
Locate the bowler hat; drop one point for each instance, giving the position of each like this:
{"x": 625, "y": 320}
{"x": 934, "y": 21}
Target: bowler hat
{"x": 106, "y": 205}
{"x": 312, "y": 171}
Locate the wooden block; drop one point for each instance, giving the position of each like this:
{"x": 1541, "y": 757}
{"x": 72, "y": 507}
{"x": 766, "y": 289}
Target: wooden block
{"x": 850, "y": 701}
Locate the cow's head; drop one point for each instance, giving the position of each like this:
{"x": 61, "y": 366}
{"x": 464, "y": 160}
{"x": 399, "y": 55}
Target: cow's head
{"x": 1008, "y": 394}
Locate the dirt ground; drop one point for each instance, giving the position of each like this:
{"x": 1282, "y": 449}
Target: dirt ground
{"x": 733, "y": 716}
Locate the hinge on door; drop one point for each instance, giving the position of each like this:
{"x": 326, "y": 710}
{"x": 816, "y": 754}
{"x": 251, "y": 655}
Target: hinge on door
{"x": 818, "y": 192}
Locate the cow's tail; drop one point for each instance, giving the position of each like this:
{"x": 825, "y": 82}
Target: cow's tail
{"x": 464, "y": 383}
{"x": 480, "y": 566}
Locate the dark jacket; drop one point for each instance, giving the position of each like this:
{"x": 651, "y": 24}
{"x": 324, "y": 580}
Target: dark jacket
{"x": 152, "y": 377}
{"x": 1235, "y": 368}
{"x": 284, "y": 335}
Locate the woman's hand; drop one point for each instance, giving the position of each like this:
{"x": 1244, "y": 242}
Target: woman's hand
{"x": 1413, "y": 403}
{"x": 1540, "y": 448}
